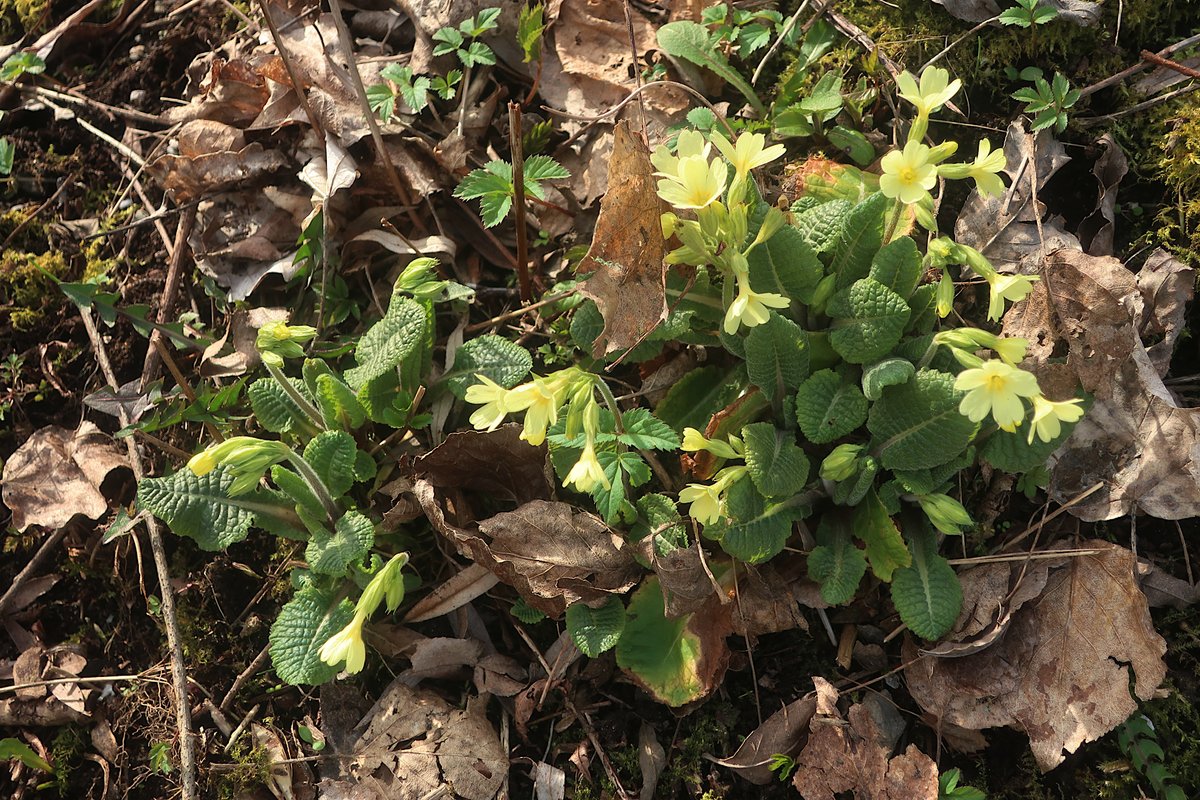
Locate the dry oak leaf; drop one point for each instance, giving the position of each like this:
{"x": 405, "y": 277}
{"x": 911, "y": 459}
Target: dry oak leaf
{"x": 57, "y": 473}
{"x": 1061, "y": 672}
{"x": 628, "y": 277}
{"x": 1136, "y": 439}
{"x": 856, "y": 757}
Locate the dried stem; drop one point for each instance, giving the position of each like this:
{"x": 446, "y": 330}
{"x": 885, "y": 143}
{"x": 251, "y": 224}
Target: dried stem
{"x": 518, "y": 171}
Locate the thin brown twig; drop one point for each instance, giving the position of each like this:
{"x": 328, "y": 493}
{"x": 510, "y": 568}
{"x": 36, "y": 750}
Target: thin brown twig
{"x": 183, "y": 711}
{"x": 518, "y": 206}
{"x": 519, "y": 312}
{"x": 637, "y": 73}
{"x": 166, "y": 301}
{"x": 347, "y": 47}
{"x": 297, "y": 86}
{"x": 1182, "y": 69}
{"x": 1141, "y": 66}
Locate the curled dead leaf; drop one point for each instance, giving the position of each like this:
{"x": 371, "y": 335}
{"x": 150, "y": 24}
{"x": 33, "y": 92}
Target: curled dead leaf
{"x": 628, "y": 276}
{"x": 1062, "y": 671}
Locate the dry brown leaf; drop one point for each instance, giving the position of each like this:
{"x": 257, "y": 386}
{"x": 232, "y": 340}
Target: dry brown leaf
{"x": 628, "y": 276}
{"x": 57, "y": 473}
{"x": 58, "y": 703}
{"x": 766, "y": 602}
{"x": 1167, "y": 286}
{"x": 1095, "y": 232}
{"x": 498, "y": 463}
{"x": 1136, "y": 439}
{"x": 1005, "y": 228}
{"x": 412, "y": 744}
{"x": 782, "y": 732}
{"x": 500, "y": 675}
{"x": 552, "y": 553}
{"x": 440, "y": 657}
{"x": 685, "y": 584}
{"x": 1162, "y": 589}
{"x": 652, "y": 758}
{"x": 856, "y": 757}
{"x": 1061, "y": 672}
{"x": 454, "y": 593}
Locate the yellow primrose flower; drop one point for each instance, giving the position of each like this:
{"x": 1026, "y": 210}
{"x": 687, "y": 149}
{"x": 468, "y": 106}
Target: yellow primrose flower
{"x": 690, "y": 143}
{"x": 749, "y": 152}
{"x": 696, "y": 183}
{"x": 1013, "y": 288}
{"x": 996, "y": 388}
{"x": 540, "y": 402}
{"x": 934, "y": 91}
{"x": 705, "y": 502}
{"x": 750, "y": 308}
{"x": 587, "y": 472}
{"x": 246, "y": 457}
{"x": 1011, "y": 349}
{"x": 1048, "y": 416}
{"x": 491, "y": 396}
{"x": 908, "y": 174}
{"x": 984, "y": 170}
{"x": 347, "y": 645}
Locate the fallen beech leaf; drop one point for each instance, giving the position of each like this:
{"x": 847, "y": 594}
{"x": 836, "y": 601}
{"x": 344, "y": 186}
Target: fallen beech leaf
{"x": 628, "y": 277}
{"x": 1061, "y": 672}
{"x": 413, "y": 744}
{"x": 1136, "y": 439}
{"x": 495, "y": 462}
{"x": 449, "y": 595}
{"x": 57, "y": 473}
{"x": 782, "y": 732}
{"x": 765, "y": 601}
{"x": 651, "y": 760}
{"x": 685, "y": 584}
{"x": 856, "y": 757}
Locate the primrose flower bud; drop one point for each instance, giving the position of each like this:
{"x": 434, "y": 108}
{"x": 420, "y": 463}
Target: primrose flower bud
{"x": 842, "y": 463}
{"x": 946, "y": 513}
{"x": 278, "y": 340}
{"x": 694, "y": 440}
{"x": 945, "y": 295}
{"x": 825, "y": 289}
{"x": 246, "y": 457}
{"x": 668, "y": 221}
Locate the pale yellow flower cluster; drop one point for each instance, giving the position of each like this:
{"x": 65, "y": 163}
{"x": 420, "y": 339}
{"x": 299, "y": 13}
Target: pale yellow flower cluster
{"x": 707, "y": 501}
{"x": 999, "y": 389}
{"x": 347, "y": 645}
{"x": 690, "y": 181}
{"x": 541, "y": 400}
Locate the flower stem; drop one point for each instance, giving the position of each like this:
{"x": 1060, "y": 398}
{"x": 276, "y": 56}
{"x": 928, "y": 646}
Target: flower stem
{"x": 299, "y": 399}
{"x": 316, "y": 486}
{"x": 893, "y": 222}
{"x": 611, "y": 402}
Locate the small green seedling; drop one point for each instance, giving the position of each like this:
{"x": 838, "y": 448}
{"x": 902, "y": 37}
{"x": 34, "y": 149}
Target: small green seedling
{"x": 494, "y": 188}
{"x": 1027, "y": 14}
{"x": 1048, "y": 100}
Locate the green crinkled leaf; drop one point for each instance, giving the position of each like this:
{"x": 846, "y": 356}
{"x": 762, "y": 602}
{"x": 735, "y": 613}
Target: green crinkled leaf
{"x": 1012, "y": 452}
{"x": 859, "y": 239}
{"x": 869, "y": 320}
{"x": 385, "y": 402}
{"x": 274, "y": 409}
{"x": 828, "y": 408}
{"x": 339, "y": 406}
{"x": 927, "y": 594}
{"x": 889, "y": 372}
{"x": 777, "y": 356}
{"x": 351, "y": 540}
{"x": 923, "y": 305}
{"x": 692, "y": 401}
{"x": 836, "y": 563}
{"x": 886, "y": 551}
{"x": 304, "y": 624}
{"x": 388, "y": 342}
{"x": 822, "y": 224}
{"x": 665, "y": 654}
{"x": 784, "y": 264}
{"x": 778, "y": 467}
{"x": 928, "y": 481}
{"x": 332, "y": 455}
{"x": 644, "y": 431}
{"x": 197, "y": 506}
{"x": 596, "y": 630}
{"x": 365, "y": 468}
{"x": 689, "y": 40}
{"x": 586, "y": 324}
{"x": 502, "y": 361}
{"x": 917, "y": 425}
{"x": 296, "y": 489}
{"x": 757, "y": 531}
{"x": 897, "y": 266}
{"x": 659, "y": 516}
